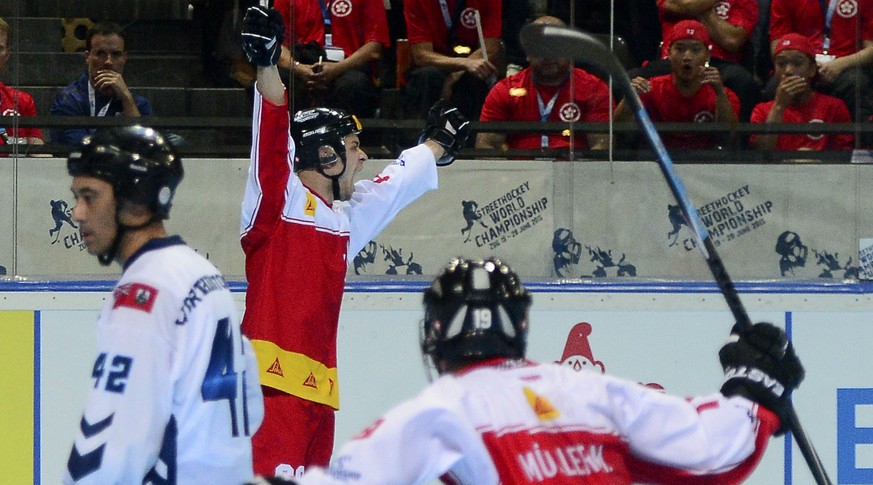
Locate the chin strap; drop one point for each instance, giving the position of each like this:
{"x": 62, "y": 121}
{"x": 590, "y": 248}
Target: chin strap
{"x": 105, "y": 259}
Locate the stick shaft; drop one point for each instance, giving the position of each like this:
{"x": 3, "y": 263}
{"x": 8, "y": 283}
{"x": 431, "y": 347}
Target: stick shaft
{"x": 549, "y": 41}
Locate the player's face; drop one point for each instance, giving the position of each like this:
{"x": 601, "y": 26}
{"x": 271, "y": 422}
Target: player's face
{"x": 94, "y": 213}
{"x": 107, "y": 53}
{"x": 688, "y": 58}
{"x": 4, "y": 50}
{"x": 794, "y": 63}
{"x": 355, "y": 158}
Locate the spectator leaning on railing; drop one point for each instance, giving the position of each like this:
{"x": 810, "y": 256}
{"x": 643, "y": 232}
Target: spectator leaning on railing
{"x": 841, "y": 31}
{"x": 797, "y": 102}
{"x": 14, "y": 102}
{"x": 101, "y": 90}
{"x": 693, "y": 93}
{"x": 548, "y": 90}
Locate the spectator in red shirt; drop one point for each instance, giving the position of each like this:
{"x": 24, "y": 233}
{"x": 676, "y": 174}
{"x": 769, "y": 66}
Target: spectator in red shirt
{"x": 693, "y": 93}
{"x": 344, "y": 74}
{"x": 446, "y": 56}
{"x": 548, "y": 90}
{"x": 14, "y": 102}
{"x": 730, "y": 24}
{"x": 843, "y": 42}
{"x": 797, "y": 102}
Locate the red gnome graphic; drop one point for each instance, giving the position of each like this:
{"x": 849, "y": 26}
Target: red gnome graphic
{"x": 577, "y": 351}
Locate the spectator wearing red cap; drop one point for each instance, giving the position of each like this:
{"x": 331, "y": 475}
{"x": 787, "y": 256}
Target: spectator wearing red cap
{"x": 843, "y": 42}
{"x": 730, "y": 24}
{"x": 797, "y": 102}
{"x": 692, "y": 93}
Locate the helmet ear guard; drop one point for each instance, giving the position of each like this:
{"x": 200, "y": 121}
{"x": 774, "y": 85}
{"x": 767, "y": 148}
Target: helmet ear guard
{"x": 317, "y": 132}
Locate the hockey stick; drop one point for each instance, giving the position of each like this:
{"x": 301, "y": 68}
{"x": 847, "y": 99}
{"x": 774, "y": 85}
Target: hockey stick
{"x": 548, "y": 41}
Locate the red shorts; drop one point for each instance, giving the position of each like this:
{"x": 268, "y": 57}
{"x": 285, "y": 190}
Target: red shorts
{"x": 296, "y": 433}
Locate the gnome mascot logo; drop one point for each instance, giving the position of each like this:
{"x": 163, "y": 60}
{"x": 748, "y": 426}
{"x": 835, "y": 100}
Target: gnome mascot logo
{"x": 577, "y": 350}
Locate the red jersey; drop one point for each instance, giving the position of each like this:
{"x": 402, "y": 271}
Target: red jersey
{"x": 665, "y": 103}
{"x": 17, "y": 103}
{"x": 429, "y": 21}
{"x": 851, "y": 22}
{"x": 820, "y": 109}
{"x": 517, "y": 98}
{"x": 353, "y": 23}
{"x": 741, "y": 13}
{"x": 297, "y": 246}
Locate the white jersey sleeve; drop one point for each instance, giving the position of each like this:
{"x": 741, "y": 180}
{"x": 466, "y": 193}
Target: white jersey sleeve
{"x": 376, "y": 202}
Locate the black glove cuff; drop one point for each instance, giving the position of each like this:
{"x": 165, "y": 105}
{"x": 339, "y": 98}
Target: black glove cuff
{"x": 753, "y": 392}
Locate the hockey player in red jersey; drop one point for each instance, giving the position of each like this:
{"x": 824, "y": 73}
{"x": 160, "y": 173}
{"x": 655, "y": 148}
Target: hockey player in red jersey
{"x": 494, "y": 417}
{"x": 303, "y": 215}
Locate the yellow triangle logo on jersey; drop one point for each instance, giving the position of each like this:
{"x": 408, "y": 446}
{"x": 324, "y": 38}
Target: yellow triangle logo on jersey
{"x": 309, "y": 208}
{"x": 541, "y": 406}
{"x": 276, "y": 368}
{"x": 310, "y": 381}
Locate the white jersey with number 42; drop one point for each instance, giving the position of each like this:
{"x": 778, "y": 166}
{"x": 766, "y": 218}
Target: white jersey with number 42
{"x": 174, "y": 396}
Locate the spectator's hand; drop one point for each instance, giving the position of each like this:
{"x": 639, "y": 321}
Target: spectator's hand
{"x": 760, "y": 364}
{"x": 790, "y": 90}
{"x": 111, "y": 83}
{"x": 828, "y": 72}
{"x": 479, "y": 67}
{"x": 262, "y": 34}
{"x": 641, "y": 85}
{"x": 323, "y": 75}
{"x": 712, "y": 77}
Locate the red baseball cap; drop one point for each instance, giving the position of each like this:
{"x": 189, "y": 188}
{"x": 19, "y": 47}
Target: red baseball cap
{"x": 795, "y": 42}
{"x": 688, "y": 29}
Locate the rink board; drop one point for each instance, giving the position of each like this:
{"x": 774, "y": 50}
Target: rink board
{"x": 654, "y": 333}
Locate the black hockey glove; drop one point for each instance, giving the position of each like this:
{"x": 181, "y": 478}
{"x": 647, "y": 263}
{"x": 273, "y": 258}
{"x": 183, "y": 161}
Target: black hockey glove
{"x": 760, "y": 364}
{"x": 262, "y": 35}
{"x": 447, "y": 127}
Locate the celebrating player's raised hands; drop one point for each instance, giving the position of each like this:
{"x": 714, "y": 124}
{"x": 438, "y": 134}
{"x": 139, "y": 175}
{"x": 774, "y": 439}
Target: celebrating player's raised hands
{"x": 448, "y": 128}
{"x": 262, "y": 34}
{"x": 760, "y": 364}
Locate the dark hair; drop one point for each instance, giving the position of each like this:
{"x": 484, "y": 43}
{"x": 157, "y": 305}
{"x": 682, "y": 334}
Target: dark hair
{"x": 104, "y": 29}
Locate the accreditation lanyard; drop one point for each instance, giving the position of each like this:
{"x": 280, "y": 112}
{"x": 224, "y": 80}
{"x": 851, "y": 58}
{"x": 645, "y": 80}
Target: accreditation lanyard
{"x": 447, "y": 17}
{"x": 92, "y": 102}
{"x": 545, "y": 111}
{"x": 829, "y": 16}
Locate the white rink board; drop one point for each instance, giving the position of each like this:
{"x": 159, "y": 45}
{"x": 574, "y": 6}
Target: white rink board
{"x": 651, "y": 333}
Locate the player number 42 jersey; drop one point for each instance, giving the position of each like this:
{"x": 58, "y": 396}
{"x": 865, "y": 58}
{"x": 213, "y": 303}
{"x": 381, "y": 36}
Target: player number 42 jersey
{"x": 174, "y": 395}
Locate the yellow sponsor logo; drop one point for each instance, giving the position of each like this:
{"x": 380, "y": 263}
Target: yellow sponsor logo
{"x": 517, "y": 92}
{"x": 541, "y": 406}
{"x": 309, "y": 208}
{"x": 296, "y": 374}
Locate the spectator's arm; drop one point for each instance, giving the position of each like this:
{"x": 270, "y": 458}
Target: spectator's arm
{"x": 598, "y": 141}
{"x": 730, "y": 37}
{"x": 495, "y": 141}
{"x": 764, "y": 142}
{"x": 688, "y": 8}
{"x": 369, "y": 52}
{"x": 831, "y": 70}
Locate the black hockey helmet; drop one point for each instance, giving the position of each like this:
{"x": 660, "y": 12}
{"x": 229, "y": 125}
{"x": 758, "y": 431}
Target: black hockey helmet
{"x": 319, "y": 136}
{"x": 474, "y": 310}
{"x": 138, "y": 162}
